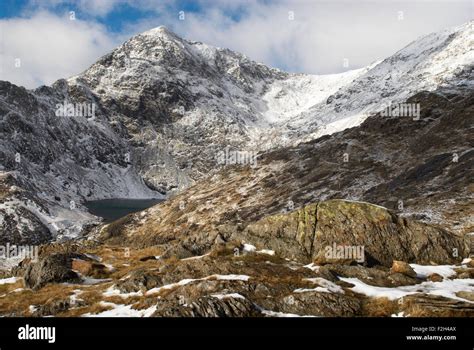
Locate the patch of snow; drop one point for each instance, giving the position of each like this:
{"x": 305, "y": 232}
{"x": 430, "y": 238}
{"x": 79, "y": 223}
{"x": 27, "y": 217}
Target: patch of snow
{"x": 424, "y": 271}
{"x": 112, "y": 291}
{"x": 446, "y": 288}
{"x": 282, "y": 314}
{"x": 120, "y": 310}
{"x": 232, "y": 277}
{"x": 191, "y": 258}
{"x": 249, "y": 248}
{"x": 32, "y": 308}
{"x": 266, "y": 251}
{"x": 8, "y": 280}
{"x": 230, "y": 295}
{"x": 312, "y": 267}
{"x": 316, "y": 289}
{"x": 330, "y": 286}
{"x": 189, "y": 280}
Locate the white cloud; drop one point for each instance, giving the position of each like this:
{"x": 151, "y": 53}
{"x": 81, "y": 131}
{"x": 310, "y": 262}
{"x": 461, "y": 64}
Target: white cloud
{"x": 49, "y": 47}
{"x": 322, "y": 33}
{"x": 317, "y": 41}
{"x": 93, "y": 7}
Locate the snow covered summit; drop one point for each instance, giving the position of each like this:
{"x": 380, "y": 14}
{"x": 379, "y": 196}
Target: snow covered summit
{"x": 165, "y": 107}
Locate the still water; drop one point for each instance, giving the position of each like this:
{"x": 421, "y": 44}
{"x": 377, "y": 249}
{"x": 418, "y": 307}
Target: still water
{"x": 113, "y": 209}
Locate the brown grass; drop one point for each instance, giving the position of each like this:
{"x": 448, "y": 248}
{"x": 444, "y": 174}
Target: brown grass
{"x": 379, "y": 307}
{"x": 19, "y": 302}
{"x": 117, "y": 227}
{"x": 436, "y": 307}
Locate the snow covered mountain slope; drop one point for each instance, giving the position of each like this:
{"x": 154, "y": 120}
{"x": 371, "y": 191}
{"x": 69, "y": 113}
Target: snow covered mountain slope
{"x": 183, "y": 102}
{"x": 51, "y": 164}
{"x": 426, "y": 64}
{"x": 164, "y": 108}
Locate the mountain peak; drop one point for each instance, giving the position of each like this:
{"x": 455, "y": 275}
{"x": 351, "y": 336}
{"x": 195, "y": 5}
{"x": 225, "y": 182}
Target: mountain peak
{"x": 161, "y": 31}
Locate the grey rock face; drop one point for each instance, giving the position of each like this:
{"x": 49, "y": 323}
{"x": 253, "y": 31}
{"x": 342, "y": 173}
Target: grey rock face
{"x": 140, "y": 280}
{"x": 316, "y": 232}
{"x": 210, "y": 307}
{"x": 53, "y": 268}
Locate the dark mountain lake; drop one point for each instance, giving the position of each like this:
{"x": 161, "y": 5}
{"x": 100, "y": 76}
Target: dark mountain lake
{"x": 113, "y": 209}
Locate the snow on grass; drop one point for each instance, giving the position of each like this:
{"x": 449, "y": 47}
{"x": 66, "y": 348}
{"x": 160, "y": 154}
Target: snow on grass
{"x": 312, "y": 267}
{"x": 226, "y": 296}
{"x": 8, "y": 280}
{"x": 231, "y": 277}
{"x": 74, "y": 298}
{"x": 266, "y": 251}
{"x": 249, "y": 248}
{"x": 190, "y": 280}
{"x": 324, "y": 283}
{"x": 119, "y": 310}
{"x": 424, "y": 271}
{"x": 93, "y": 257}
{"x": 191, "y": 258}
{"x": 92, "y": 281}
{"x": 112, "y": 291}
{"x": 282, "y": 314}
{"x": 316, "y": 289}
{"x": 446, "y": 288}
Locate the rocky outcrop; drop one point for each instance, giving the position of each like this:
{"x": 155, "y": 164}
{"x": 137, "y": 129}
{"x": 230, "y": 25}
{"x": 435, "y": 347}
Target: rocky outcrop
{"x": 383, "y": 235}
{"x": 228, "y": 306}
{"x": 334, "y": 231}
{"x": 403, "y": 268}
{"x": 316, "y": 303}
{"x": 55, "y": 268}
{"x": 435, "y": 306}
{"x": 340, "y": 231}
{"x": 140, "y": 280}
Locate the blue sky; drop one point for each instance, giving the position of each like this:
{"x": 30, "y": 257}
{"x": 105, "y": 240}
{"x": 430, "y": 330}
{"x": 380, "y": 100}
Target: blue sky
{"x": 122, "y": 13}
{"x": 316, "y": 38}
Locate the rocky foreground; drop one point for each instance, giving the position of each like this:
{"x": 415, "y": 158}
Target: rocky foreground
{"x": 277, "y": 266}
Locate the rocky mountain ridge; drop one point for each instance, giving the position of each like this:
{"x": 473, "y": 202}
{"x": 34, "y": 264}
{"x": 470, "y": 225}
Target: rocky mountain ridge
{"x": 165, "y": 107}
{"x": 370, "y": 216}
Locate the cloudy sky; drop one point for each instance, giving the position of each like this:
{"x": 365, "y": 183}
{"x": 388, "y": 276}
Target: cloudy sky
{"x": 44, "y": 40}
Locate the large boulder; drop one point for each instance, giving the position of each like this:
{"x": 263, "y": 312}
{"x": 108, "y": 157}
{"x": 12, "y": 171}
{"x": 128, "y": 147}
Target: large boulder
{"x": 403, "y": 268}
{"x": 336, "y": 231}
{"x": 55, "y": 268}
{"x": 140, "y": 280}
{"x": 318, "y": 304}
{"x": 209, "y": 306}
